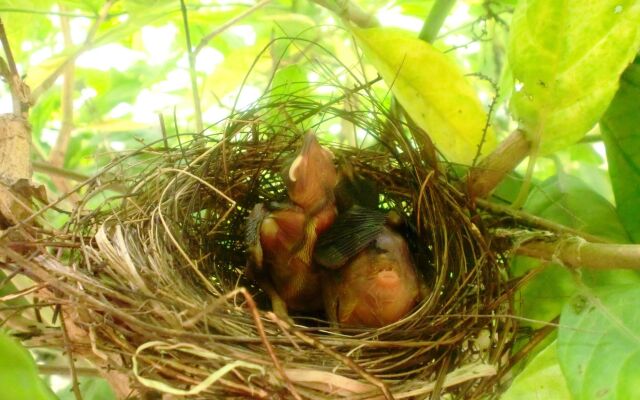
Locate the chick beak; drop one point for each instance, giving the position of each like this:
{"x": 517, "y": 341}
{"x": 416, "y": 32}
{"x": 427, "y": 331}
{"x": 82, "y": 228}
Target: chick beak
{"x": 312, "y": 176}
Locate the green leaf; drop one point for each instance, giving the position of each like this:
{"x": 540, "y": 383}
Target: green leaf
{"x": 599, "y": 344}
{"x": 567, "y": 57}
{"x": 432, "y": 89}
{"x": 569, "y": 201}
{"x": 621, "y": 135}
{"x": 288, "y": 87}
{"x": 18, "y": 373}
{"x": 541, "y": 379}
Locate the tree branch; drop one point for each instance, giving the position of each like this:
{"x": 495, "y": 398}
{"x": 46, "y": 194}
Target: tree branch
{"x": 439, "y": 12}
{"x": 350, "y": 11}
{"x": 575, "y": 252}
{"x": 484, "y": 177}
{"x": 19, "y": 91}
{"x": 59, "y": 150}
{"x": 50, "y": 80}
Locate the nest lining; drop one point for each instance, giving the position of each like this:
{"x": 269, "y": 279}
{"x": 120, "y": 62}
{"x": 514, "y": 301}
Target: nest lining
{"x": 157, "y": 284}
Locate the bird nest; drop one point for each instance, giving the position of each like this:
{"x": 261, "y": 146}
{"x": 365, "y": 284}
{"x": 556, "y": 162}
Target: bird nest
{"x": 152, "y": 287}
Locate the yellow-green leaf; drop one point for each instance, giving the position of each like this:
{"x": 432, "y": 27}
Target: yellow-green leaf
{"x": 567, "y": 57}
{"x": 432, "y": 89}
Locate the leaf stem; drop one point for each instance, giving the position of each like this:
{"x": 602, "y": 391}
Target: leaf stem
{"x": 192, "y": 70}
{"x": 435, "y": 19}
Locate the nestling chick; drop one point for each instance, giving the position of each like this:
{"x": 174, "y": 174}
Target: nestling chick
{"x": 374, "y": 287}
{"x": 281, "y": 239}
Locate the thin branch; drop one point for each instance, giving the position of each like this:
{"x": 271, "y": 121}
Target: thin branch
{"x": 349, "y": 11}
{"x": 484, "y": 177}
{"x": 439, "y": 12}
{"x": 7, "y": 50}
{"x": 72, "y": 368}
{"x": 207, "y": 38}
{"x": 575, "y": 252}
{"x": 19, "y": 91}
{"x": 537, "y": 222}
{"x": 59, "y": 150}
{"x": 64, "y": 370}
{"x": 192, "y": 70}
{"x": 50, "y": 80}
{"x": 47, "y": 168}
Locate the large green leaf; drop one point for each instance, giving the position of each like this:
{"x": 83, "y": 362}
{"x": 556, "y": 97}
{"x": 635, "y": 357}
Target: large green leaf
{"x": 18, "y": 373}
{"x": 541, "y": 379}
{"x": 569, "y": 201}
{"x": 621, "y": 132}
{"x": 567, "y": 57}
{"x": 599, "y": 344}
{"x": 432, "y": 89}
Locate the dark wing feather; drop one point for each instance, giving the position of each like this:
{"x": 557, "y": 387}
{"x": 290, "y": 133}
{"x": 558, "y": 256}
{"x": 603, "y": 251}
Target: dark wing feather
{"x": 351, "y": 232}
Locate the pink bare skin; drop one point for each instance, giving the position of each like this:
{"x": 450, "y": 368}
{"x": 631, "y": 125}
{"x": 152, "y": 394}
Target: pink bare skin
{"x": 379, "y": 286}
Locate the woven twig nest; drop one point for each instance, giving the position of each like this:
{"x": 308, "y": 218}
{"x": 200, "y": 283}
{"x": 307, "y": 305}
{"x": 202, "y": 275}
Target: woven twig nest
{"x": 154, "y": 286}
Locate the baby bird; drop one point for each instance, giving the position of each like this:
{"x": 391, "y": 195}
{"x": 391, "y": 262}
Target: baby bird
{"x": 374, "y": 287}
{"x": 370, "y": 277}
{"x": 281, "y": 239}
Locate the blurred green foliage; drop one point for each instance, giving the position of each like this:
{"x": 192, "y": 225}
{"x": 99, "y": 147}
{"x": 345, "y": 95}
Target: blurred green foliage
{"x": 130, "y": 65}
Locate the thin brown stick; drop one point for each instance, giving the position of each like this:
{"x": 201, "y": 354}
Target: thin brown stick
{"x": 536, "y": 222}
{"x": 19, "y": 91}
{"x": 42, "y": 166}
{"x": 253, "y": 308}
{"x": 72, "y": 368}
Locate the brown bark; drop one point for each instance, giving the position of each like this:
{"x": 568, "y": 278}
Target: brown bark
{"x": 15, "y": 166}
{"x": 484, "y": 177}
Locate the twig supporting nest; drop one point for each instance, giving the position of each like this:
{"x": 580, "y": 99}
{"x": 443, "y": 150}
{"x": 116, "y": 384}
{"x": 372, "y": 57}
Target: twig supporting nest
{"x": 153, "y": 286}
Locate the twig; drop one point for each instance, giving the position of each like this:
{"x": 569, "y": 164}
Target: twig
{"x": 260, "y": 327}
{"x": 64, "y": 370}
{"x": 45, "y": 167}
{"x": 575, "y": 252}
{"x": 72, "y": 368}
{"x": 192, "y": 70}
{"x": 537, "y": 222}
{"x": 19, "y": 91}
{"x": 207, "y": 38}
{"x": 349, "y": 11}
{"x": 439, "y": 12}
{"x": 62, "y": 142}
{"x": 50, "y": 80}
